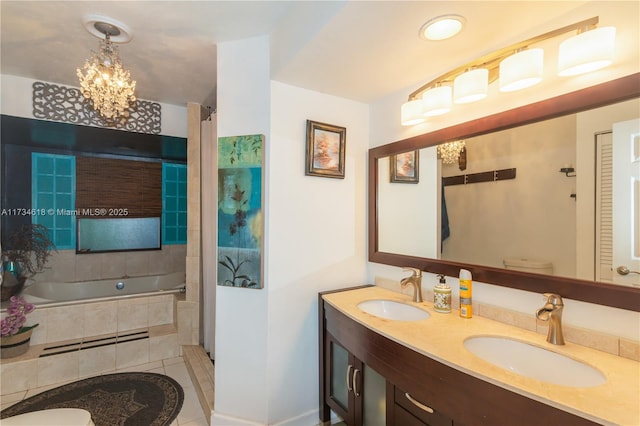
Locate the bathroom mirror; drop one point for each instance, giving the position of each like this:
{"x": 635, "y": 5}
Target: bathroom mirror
{"x": 385, "y": 218}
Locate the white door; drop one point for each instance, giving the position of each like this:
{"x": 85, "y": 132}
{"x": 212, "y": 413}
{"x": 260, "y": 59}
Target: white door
{"x": 626, "y": 202}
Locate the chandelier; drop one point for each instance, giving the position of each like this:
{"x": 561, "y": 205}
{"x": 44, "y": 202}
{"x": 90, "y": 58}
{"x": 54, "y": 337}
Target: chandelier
{"x": 104, "y": 81}
{"x": 450, "y": 151}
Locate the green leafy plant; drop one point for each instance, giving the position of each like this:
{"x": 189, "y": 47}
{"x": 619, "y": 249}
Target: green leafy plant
{"x": 29, "y": 246}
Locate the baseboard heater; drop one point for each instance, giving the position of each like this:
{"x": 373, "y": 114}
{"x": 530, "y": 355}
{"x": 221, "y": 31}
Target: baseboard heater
{"x": 97, "y": 342}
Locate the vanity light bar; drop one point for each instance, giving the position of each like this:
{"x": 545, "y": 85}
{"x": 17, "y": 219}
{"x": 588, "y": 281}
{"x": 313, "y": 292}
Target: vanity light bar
{"x": 516, "y": 66}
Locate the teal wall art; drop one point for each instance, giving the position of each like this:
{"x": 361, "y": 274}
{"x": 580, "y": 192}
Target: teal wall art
{"x": 240, "y": 211}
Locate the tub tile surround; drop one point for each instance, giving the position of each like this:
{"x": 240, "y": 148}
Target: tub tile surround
{"x": 614, "y": 402}
{"x": 604, "y": 342}
{"x": 31, "y": 370}
{"x": 64, "y": 323}
{"x": 67, "y": 266}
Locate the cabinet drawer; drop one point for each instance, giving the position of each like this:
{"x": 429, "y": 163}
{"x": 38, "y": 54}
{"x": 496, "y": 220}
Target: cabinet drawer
{"x": 404, "y": 407}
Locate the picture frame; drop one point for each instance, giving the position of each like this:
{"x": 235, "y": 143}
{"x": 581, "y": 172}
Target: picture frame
{"x": 325, "y": 150}
{"x": 405, "y": 167}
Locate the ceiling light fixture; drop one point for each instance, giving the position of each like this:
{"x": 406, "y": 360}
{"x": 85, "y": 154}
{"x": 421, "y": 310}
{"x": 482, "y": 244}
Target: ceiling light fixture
{"x": 587, "y": 51}
{"x": 521, "y": 70}
{"x": 517, "y": 66}
{"x": 442, "y": 27}
{"x": 471, "y": 86}
{"x": 103, "y": 79}
{"x": 436, "y": 101}
{"x": 411, "y": 113}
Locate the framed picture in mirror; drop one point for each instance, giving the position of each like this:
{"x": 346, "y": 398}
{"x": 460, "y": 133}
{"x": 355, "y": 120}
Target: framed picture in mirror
{"x": 325, "y": 150}
{"x": 405, "y": 167}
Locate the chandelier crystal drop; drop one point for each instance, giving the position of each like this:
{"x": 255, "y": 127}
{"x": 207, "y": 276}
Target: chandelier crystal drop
{"x": 450, "y": 151}
{"x": 106, "y": 83}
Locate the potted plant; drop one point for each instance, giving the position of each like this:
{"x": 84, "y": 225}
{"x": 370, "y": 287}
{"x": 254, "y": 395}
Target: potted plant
{"x": 15, "y": 336}
{"x": 26, "y": 254}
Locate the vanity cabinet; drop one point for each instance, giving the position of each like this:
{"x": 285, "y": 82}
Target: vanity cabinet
{"x": 354, "y": 391}
{"x": 438, "y": 394}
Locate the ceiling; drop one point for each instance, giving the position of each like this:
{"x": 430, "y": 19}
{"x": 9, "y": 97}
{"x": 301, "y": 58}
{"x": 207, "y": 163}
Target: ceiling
{"x": 360, "y": 50}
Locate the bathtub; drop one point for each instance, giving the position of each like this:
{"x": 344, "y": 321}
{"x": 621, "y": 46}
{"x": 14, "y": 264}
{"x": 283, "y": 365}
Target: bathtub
{"x": 61, "y": 293}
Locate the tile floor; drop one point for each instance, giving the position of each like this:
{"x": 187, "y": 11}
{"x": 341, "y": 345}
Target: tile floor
{"x": 191, "y": 413}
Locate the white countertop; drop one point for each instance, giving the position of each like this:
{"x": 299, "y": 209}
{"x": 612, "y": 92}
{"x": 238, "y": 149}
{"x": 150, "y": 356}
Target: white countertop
{"x": 441, "y": 337}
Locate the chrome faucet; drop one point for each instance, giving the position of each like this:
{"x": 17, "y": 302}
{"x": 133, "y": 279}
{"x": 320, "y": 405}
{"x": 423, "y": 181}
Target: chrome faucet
{"x": 552, "y": 312}
{"x": 416, "y": 280}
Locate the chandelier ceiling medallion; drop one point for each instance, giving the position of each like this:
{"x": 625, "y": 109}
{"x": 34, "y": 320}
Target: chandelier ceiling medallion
{"x": 103, "y": 79}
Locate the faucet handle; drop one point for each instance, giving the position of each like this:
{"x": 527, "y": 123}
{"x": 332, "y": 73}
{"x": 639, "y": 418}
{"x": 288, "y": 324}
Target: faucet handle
{"x": 554, "y": 299}
{"x": 415, "y": 271}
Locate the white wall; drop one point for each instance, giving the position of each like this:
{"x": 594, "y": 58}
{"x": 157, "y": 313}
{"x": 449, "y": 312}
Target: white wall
{"x": 386, "y": 128}
{"x": 242, "y": 314}
{"x": 317, "y": 236}
{"x": 266, "y": 340}
{"x": 16, "y": 99}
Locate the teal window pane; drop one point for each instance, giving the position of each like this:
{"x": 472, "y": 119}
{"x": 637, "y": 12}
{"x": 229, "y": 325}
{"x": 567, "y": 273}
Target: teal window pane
{"x": 63, "y": 238}
{"x": 64, "y": 184}
{"x": 170, "y": 234}
{"x": 171, "y": 204}
{"x": 182, "y": 219}
{"x": 174, "y": 190}
{"x": 64, "y": 201}
{"x": 182, "y": 204}
{"x": 45, "y": 220}
{"x": 44, "y": 184}
{"x": 53, "y": 187}
{"x": 64, "y": 167}
{"x": 44, "y": 201}
{"x": 64, "y": 221}
{"x": 171, "y": 189}
{"x": 45, "y": 165}
{"x": 170, "y": 173}
{"x": 170, "y": 220}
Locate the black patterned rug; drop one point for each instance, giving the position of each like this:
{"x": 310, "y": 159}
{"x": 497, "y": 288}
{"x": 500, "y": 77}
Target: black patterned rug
{"x": 122, "y": 399}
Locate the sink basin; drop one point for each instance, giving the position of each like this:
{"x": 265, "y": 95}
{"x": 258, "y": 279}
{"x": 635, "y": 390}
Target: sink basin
{"x": 393, "y": 310}
{"x": 534, "y": 362}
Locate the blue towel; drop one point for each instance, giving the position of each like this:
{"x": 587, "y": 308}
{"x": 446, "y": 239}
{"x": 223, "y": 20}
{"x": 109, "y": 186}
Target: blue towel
{"x": 444, "y": 220}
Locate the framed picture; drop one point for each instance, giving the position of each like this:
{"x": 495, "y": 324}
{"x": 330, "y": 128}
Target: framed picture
{"x": 325, "y": 150}
{"x": 405, "y": 167}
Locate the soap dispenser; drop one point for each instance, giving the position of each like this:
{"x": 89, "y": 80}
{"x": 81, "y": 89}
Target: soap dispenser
{"x": 442, "y": 296}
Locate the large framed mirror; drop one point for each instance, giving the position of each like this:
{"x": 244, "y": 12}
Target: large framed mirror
{"x": 571, "y": 270}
